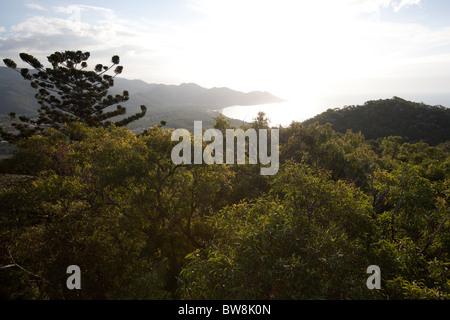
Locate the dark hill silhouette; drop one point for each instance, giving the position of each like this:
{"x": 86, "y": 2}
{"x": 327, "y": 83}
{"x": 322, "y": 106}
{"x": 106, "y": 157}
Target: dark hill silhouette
{"x": 412, "y": 121}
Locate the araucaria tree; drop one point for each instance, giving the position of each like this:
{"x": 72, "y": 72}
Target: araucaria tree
{"x": 68, "y": 92}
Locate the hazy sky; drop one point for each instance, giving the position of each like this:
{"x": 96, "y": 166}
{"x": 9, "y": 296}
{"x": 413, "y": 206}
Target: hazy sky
{"x": 288, "y": 47}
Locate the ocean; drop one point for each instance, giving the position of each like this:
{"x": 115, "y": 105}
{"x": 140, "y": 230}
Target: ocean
{"x": 297, "y": 110}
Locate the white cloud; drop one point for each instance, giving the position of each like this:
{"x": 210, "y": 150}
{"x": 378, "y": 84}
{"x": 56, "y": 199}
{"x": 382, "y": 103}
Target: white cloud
{"x": 35, "y": 7}
{"x": 280, "y": 46}
{"x": 78, "y": 9}
{"x": 405, "y": 4}
{"x": 314, "y": 45}
{"x": 376, "y": 5}
{"x": 75, "y": 22}
{"x": 39, "y": 25}
{"x": 143, "y": 46}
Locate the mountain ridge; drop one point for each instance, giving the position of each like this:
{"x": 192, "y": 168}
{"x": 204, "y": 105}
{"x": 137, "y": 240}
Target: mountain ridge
{"x": 413, "y": 121}
{"x": 18, "y": 96}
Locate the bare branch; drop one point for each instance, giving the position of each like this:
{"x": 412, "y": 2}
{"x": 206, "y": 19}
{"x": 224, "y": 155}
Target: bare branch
{"x": 8, "y": 266}
{"x": 14, "y": 264}
{"x": 430, "y": 242}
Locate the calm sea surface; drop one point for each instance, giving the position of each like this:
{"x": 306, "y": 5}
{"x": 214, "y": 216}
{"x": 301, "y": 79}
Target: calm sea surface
{"x": 286, "y": 112}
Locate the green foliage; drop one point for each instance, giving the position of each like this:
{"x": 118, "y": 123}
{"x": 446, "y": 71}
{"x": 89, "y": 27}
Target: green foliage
{"x": 413, "y": 121}
{"x": 347, "y": 156}
{"x": 141, "y": 227}
{"x": 270, "y": 248}
{"x": 110, "y": 202}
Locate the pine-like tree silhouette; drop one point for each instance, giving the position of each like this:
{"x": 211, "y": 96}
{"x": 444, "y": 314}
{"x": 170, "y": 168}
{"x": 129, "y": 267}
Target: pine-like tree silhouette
{"x": 68, "y": 92}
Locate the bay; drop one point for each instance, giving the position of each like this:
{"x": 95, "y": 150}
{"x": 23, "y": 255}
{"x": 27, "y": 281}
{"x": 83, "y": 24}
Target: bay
{"x": 284, "y": 113}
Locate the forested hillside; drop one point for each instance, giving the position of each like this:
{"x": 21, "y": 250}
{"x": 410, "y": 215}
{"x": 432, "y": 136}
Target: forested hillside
{"x": 81, "y": 190}
{"x": 140, "y": 227}
{"x": 412, "y": 121}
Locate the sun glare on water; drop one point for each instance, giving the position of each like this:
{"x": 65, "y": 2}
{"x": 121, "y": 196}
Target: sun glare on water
{"x": 297, "y": 50}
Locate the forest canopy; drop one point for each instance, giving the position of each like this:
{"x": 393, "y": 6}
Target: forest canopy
{"x": 139, "y": 226}
{"x": 413, "y": 121}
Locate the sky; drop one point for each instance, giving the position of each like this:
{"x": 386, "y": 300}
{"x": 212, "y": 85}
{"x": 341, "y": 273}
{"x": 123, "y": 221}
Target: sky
{"x": 291, "y": 48}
